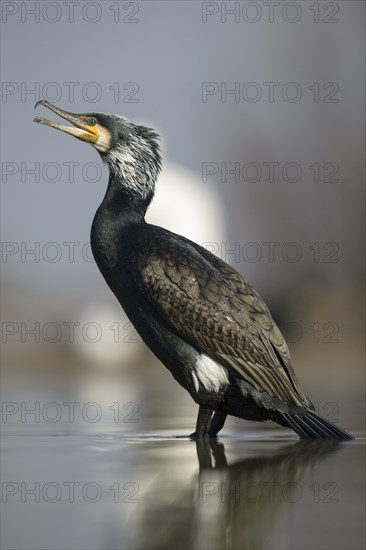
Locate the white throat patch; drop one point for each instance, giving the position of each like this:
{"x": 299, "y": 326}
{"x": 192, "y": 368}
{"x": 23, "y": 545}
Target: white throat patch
{"x": 210, "y": 374}
{"x": 138, "y": 178}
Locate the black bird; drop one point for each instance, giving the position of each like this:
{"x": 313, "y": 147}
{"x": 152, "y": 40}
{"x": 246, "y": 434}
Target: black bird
{"x": 198, "y": 315}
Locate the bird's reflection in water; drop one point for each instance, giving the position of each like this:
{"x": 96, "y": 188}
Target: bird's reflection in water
{"x": 237, "y": 506}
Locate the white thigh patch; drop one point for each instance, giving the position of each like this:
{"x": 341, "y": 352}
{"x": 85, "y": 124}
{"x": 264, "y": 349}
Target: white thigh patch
{"x": 211, "y": 374}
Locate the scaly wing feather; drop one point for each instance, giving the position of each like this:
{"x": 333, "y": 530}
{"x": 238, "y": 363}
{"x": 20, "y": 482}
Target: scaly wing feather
{"x": 213, "y": 307}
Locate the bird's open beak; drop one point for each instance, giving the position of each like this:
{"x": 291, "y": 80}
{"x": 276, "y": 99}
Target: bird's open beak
{"x": 80, "y": 128}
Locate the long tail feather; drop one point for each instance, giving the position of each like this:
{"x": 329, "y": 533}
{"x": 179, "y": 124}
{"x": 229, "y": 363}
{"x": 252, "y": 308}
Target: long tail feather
{"x": 312, "y": 426}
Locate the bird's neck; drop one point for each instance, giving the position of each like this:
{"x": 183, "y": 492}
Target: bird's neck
{"x": 119, "y": 211}
{"x": 122, "y": 206}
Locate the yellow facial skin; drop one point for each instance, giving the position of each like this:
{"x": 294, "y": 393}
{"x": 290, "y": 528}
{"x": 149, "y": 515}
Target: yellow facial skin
{"x": 84, "y": 128}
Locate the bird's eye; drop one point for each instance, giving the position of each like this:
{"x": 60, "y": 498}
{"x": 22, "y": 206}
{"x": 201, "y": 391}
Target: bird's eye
{"x": 92, "y": 121}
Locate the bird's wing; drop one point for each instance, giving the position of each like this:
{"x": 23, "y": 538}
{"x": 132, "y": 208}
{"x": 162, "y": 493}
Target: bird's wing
{"x": 255, "y": 305}
{"x": 219, "y": 312}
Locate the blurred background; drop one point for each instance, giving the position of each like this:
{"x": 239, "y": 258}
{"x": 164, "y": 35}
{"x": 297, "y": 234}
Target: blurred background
{"x": 260, "y": 108}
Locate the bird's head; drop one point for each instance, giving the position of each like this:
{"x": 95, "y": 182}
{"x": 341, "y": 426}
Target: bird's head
{"x": 130, "y": 151}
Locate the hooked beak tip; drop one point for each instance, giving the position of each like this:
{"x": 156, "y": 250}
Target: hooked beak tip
{"x": 41, "y": 102}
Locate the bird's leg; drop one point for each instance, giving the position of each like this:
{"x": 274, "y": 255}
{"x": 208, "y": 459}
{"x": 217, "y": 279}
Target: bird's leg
{"x": 217, "y": 423}
{"x": 203, "y": 422}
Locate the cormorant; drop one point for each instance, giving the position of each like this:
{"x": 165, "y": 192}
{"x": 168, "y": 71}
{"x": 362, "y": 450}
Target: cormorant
{"x": 198, "y": 315}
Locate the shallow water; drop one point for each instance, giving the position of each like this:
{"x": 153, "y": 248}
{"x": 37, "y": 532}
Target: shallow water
{"x": 107, "y": 485}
